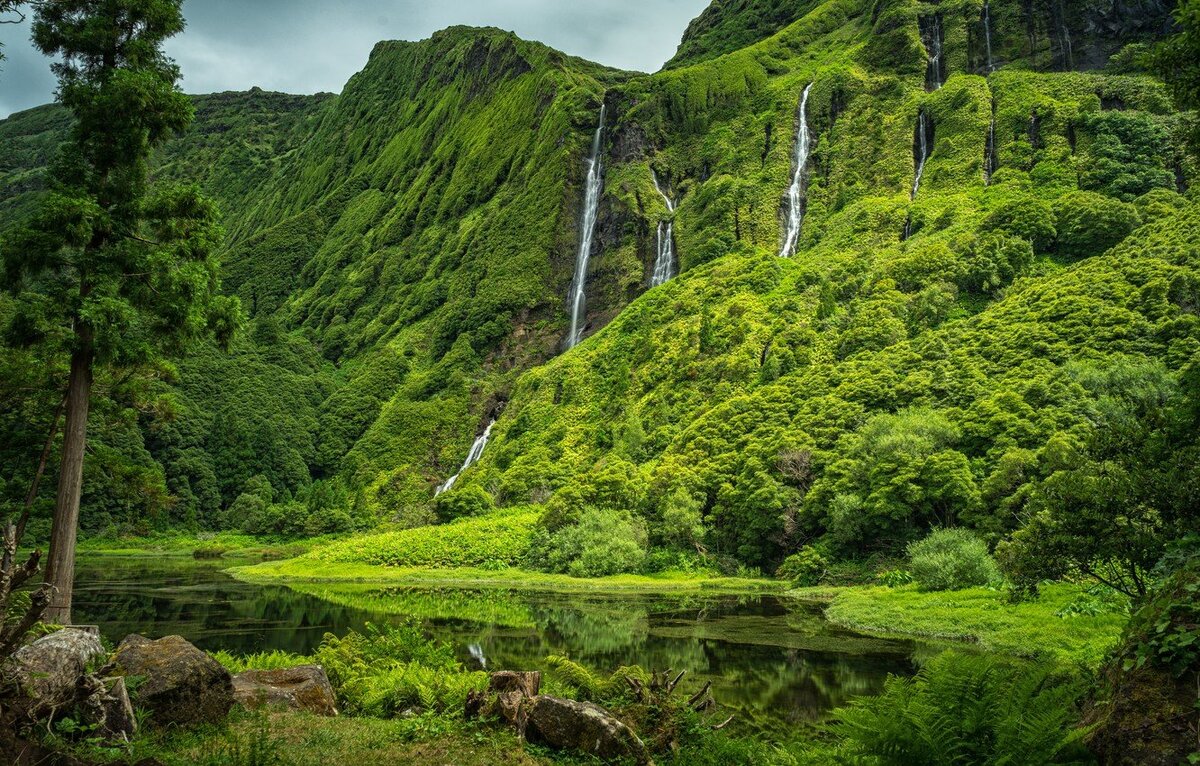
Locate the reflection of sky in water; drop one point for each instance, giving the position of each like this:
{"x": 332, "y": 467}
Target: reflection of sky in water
{"x": 774, "y": 661}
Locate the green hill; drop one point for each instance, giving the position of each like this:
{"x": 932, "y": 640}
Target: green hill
{"x": 405, "y": 251}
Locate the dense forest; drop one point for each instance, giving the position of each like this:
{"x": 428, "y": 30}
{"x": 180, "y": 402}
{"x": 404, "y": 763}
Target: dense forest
{"x": 853, "y": 271}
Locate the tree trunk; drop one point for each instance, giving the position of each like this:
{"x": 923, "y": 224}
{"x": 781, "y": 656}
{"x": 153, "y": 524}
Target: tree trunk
{"x": 60, "y": 568}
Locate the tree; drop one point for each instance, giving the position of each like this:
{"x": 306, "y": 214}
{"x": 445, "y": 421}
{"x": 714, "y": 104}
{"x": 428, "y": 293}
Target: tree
{"x": 1178, "y": 60}
{"x": 129, "y": 270}
{"x": 10, "y": 7}
{"x": 1112, "y": 510}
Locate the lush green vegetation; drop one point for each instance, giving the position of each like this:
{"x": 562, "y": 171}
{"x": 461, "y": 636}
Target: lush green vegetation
{"x": 1002, "y": 362}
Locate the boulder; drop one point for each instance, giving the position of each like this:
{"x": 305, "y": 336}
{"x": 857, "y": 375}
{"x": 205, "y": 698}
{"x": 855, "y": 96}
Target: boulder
{"x": 582, "y": 726}
{"x": 304, "y": 687}
{"x": 179, "y": 684}
{"x": 48, "y": 670}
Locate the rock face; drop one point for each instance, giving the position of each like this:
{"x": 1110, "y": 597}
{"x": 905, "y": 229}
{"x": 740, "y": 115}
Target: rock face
{"x": 582, "y": 726}
{"x": 180, "y": 684}
{"x": 305, "y": 687}
{"x": 49, "y": 669}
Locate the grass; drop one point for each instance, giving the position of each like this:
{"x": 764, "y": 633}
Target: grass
{"x": 203, "y": 545}
{"x": 981, "y": 616}
{"x": 308, "y": 569}
{"x": 298, "y": 739}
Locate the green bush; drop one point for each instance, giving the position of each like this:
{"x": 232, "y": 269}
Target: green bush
{"x": 966, "y": 708}
{"x": 1025, "y": 217}
{"x": 804, "y": 567}
{"x": 602, "y": 543}
{"x": 1089, "y": 223}
{"x": 461, "y": 502}
{"x": 952, "y": 559}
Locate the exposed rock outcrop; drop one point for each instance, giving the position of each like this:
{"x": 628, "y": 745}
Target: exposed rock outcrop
{"x": 582, "y": 726}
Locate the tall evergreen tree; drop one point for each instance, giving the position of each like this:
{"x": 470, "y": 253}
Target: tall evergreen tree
{"x": 124, "y": 273}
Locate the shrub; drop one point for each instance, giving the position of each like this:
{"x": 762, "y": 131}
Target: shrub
{"x": 965, "y": 708}
{"x": 1089, "y": 223}
{"x": 1024, "y": 217}
{"x": 804, "y": 567}
{"x": 952, "y": 559}
{"x": 460, "y": 502}
{"x": 604, "y": 542}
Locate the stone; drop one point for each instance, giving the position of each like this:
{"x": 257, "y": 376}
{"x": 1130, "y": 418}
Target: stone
{"x": 583, "y": 726}
{"x": 179, "y": 684}
{"x": 48, "y": 670}
{"x": 304, "y": 687}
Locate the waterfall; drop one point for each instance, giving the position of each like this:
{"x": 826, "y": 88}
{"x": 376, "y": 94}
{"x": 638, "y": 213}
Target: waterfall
{"x": 796, "y": 190}
{"x": 587, "y": 228}
{"x": 477, "y": 654}
{"x": 921, "y": 150}
{"x": 987, "y": 34}
{"x": 932, "y": 36}
{"x": 472, "y": 457}
{"x": 664, "y": 262}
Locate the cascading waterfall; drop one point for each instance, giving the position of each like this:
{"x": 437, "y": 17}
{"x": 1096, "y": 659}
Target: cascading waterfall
{"x": 472, "y": 457}
{"x": 921, "y": 153}
{"x": 987, "y": 34}
{"x": 587, "y": 228}
{"x": 664, "y": 262}
{"x": 796, "y": 190}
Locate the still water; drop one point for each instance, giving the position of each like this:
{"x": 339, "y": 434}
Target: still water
{"x": 773, "y": 661}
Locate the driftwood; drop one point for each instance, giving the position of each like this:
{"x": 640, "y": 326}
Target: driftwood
{"x": 12, "y": 577}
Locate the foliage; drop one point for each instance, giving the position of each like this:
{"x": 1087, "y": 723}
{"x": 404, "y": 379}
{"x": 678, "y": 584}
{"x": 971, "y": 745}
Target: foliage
{"x": 970, "y": 709}
{"x": 1116, "y": 499}
{"x": 804, "y": 567}
{"x": 952, "y": 559}
{"x": 272, "y": 660}
{"x": 471, "y": 500}
{"x": 603, "y": 542}
{"x": 385, "y": 670}
{"x": 1090, "y": 223}
{"x": 498, "y": 539}
{"x": 986, "y": 617}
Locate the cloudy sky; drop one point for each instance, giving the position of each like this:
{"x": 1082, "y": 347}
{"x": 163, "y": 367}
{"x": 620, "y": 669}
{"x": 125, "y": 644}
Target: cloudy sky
{"x": 306, "y": 46}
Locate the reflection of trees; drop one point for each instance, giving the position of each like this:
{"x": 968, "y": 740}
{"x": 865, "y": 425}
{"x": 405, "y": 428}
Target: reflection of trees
{"x": 774, "y": 663}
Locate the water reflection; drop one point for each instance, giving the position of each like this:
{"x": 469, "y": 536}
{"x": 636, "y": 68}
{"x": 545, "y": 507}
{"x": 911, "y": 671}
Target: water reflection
{"x": 774, "y": 661}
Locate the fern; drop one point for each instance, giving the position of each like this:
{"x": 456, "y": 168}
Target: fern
{"x": 967, "y": 709}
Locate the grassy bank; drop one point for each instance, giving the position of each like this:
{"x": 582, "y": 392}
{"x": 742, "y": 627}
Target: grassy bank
{"x": 1065, "y": 623}
{"x": 213, "y": 545}
{"x": 308, "y": 569}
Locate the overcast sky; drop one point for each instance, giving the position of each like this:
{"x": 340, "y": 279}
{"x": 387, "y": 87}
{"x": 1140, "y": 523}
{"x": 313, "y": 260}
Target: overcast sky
{"x": 307, "y": 46}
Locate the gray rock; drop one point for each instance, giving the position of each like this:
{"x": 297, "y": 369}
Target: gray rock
{"x": 305, "y": 687}
{"x": 178, "y": 683}
{"x": 582, "y": 726}
{"x": 48, "y": 670}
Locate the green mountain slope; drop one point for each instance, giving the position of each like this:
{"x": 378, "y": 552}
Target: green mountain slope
{"x": 405, "y": 252}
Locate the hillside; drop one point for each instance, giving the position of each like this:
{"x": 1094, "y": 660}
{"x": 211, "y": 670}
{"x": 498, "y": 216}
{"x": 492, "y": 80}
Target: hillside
{"x": 405, "y": 252}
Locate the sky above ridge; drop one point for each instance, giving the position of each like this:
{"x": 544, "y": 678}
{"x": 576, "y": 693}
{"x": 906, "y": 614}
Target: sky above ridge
{"x": 309, "y": 46}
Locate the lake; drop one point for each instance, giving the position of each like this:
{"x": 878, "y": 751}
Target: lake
{"x": 772, "y": 660}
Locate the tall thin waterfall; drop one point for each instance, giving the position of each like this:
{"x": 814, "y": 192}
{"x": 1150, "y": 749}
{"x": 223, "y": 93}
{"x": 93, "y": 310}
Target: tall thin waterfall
{"x": 664, "y": 262}
{"x": 587, "y": 228}
{"x": 922, "y": 150}
{"x": 987, "y": 34}
{"x": 472, "y": 457}
{"x": 990, "y": 160}
{"x": 796, "y": 190}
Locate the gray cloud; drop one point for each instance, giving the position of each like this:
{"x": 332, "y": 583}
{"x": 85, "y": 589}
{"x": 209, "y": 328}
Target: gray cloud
{"x": 306, "y": 46}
